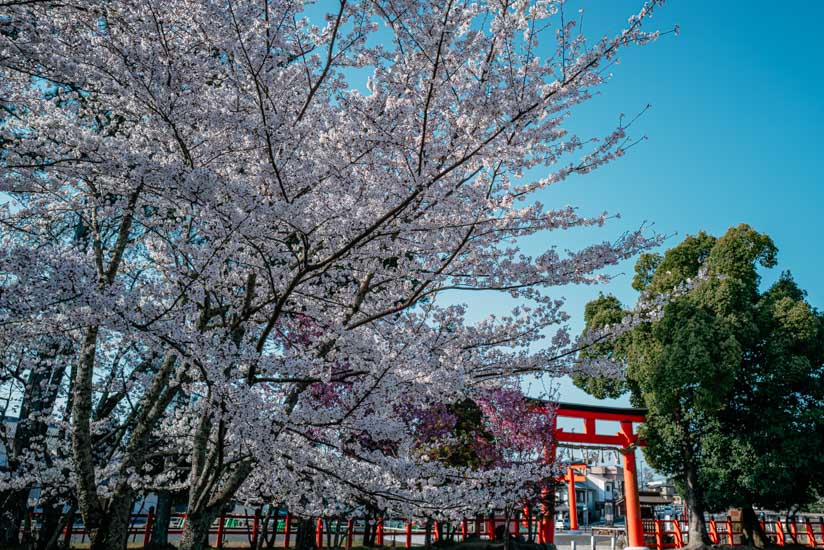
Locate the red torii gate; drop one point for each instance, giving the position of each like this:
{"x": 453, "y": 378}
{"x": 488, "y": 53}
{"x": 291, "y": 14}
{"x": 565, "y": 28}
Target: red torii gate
{"x": 570, "y": 478}
{"x": 626, "y": 440}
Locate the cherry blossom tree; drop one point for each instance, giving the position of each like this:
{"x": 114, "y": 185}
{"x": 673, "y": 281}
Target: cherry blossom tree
{"x": 246, "y": 252}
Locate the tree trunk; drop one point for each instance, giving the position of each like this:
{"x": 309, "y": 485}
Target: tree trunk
{"x": 367, "y": 532}
{"x": 305, "y": 537}
{"x": 506, "y": 537}
{"x": 49, "y": 525}
{"x": 69, "y": 522}
{"x": 162, "y": 518}
{"x": 530, "y": 531}
{"x": 196, "y": 530}
{"x": 752, "y": 527}
{"x": 83, "y": 444}
{"x": 12, "y": 513}
{"x": 697, "y": 527}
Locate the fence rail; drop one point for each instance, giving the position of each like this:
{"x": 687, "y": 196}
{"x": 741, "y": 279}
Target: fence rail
{"x": 663, "y": 534}
{"x": 281, "y": 530}
{"x": 252, "y": 526}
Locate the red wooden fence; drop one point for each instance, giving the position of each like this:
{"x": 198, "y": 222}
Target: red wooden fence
{"x": 658, "y": 534}
{"x": 662, "y": 534}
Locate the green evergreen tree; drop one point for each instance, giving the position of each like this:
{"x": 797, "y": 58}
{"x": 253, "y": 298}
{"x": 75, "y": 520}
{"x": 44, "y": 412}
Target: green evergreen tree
{"x": 732, "y": 377}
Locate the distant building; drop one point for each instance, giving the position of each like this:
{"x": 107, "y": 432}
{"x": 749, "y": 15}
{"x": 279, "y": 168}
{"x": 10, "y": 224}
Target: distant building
{"x": 600, "y": 499}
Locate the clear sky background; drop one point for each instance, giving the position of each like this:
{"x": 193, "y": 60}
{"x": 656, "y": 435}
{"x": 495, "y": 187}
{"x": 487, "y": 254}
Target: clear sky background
{"x": 734, "y": 136}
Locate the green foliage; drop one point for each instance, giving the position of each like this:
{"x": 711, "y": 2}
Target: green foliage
{"x": 732, "y": 376}
{"x": 605, "y": 310}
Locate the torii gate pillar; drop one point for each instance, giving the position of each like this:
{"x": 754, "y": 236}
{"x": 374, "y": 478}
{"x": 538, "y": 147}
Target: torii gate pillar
{"x": 635, "y": 529}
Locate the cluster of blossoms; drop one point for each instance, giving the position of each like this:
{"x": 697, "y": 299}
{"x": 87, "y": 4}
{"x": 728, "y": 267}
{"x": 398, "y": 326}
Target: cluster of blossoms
{"x": 221, "y": 263}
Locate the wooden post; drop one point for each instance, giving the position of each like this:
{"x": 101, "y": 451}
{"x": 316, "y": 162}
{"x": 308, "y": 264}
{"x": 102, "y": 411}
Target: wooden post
{"x": 256, "y": 526}
{"x": 287, "y": 527}
{"x": 221, "y": 522}
{"x": 659, "y": 537}
{"x": 573, "y": 505}
{"x": 408, "y": 533}
{"x": 730, "y": 535}
{"x": 810, "y": 534}
{"x": 779, "y": 533}
{"x": 319, "y": 533}
{"x": 379, "y": 532}
{"x": 147, "y": 531}
{"x": 490, "y": 527}
{"x": 464, "y": 529}
{"x": 546, "y": 523}
{"x": 713, "y": 532}
{"x": 478, "y": 526}
{"x": 27, "y": 525}
{"x": 435, "y": 527}
{"x": 68, "y": 530}
{"x": 350, "y": 533}
{"x": 793, "y": 530}
{"x": 635, "y": 529}
{"x": 679, "y": 536}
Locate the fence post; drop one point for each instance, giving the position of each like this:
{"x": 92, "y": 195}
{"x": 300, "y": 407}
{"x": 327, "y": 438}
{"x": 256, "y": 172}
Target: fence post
{"x": 810, "y": 534}
{"x": 69, "y": 529}
{"x": 256, "y": 526}
{"x": 350, "y": 533}
{"x": 408, "y": 533}
{"x": 147, "y": 531}
{"x": 612, "y": 543}
{"x": 27, "y": 525}
{"x": 221, "y": 522}
{"x": 592, "y": 542}
{"x": 730, "y": 536}
{"x": 490, "y": 527}
{"x": 379, "y": 532}
{"x": 779, "y": 533}
{"x": 793, "y": 530}
{"x": 287, "y": 527}
{"x": 464, "y": 529}
{"x": 572, "y": 544}
{"x": 713, "y": 532}
{"x": 319, "y": 533}
{"x": 659, "y": 537}
{"x": 679, "y": 536}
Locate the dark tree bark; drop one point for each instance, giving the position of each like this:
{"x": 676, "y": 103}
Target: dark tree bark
{"x": 196, "y": 530}
{"x": 50, "y": 526}
{"x": 13, "y": 510}
{"x": 305, "y": 537}
{"x": 40, "y": 392}
{"x": 367, "y": 532}
{"x": 162, "y": 519}
{"x": 697, "y": 527}
{"x": 752, "y": 527}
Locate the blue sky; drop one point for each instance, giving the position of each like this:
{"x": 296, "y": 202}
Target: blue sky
{"x": 734, "y": 136}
